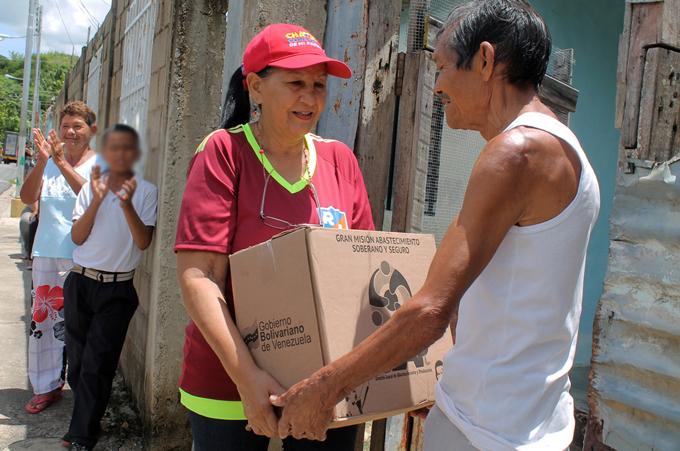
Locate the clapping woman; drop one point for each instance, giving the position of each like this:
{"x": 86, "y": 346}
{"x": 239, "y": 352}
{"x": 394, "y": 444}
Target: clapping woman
{"x": 65, "y": 161}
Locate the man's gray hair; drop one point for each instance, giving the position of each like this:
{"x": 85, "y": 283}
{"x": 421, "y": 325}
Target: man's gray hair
{"x": 516, "y": 30}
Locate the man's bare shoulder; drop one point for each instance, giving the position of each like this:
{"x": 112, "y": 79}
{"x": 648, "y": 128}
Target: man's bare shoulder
{"x": 539, "y": 167}
{"x": 520, "y": 144}
{"x": 505, "y": 158}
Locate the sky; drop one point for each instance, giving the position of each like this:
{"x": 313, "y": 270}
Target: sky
{"x": 14, "y": 19}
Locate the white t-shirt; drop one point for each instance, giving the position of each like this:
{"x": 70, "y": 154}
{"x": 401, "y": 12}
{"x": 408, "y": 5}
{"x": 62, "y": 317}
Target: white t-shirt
{"x": 110, "y": 246}
{"x": 506, "y": 380}
{"x": 57, "y": 199}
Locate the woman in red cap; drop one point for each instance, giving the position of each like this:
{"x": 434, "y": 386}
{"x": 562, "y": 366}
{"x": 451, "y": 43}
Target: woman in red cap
{"x": 247, "y": 182}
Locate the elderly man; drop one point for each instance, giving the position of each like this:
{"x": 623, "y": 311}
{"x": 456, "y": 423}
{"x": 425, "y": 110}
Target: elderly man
{"x": 513, "y": 260}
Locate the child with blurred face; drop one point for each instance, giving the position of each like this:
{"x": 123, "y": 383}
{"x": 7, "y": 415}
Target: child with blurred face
{"x": 113, "y": 222}
{"x": 120, "y": 151}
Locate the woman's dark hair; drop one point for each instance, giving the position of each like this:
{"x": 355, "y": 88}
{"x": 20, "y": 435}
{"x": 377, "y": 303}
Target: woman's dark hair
{"x": 513, "y": 27}
{"x": 236, "y": 108}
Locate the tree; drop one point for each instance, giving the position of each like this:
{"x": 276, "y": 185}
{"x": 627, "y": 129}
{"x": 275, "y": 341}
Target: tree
{"x": 53, "y": 69}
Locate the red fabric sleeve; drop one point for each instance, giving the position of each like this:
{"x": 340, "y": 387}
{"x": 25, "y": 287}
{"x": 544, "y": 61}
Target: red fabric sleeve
{"x": 207, "y": 217}
{"x": 362, "y": 218}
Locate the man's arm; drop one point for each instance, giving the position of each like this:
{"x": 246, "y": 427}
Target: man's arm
{"x": 82, "y": 227}
{"x": 87, "y": 206}
{"x": 141, "y": 233}
{"x": 495, "y": 201}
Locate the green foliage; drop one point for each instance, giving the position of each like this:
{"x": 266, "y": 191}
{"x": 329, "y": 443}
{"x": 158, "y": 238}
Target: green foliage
{"x": 53, "y": 69}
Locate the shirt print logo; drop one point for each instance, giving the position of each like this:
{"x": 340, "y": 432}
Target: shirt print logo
{"x": 332, "y": 218}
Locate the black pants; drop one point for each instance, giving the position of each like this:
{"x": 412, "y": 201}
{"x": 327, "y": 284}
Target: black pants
{"x": 32, "y": 228}
{"x": 231, "y": 435}
{"x": 97, "y": 316}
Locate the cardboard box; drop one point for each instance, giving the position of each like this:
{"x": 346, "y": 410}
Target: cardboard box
{"x": 308, "y": 296}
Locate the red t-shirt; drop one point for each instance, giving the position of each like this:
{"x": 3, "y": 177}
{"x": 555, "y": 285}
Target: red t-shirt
{"x": 221, "y": 213}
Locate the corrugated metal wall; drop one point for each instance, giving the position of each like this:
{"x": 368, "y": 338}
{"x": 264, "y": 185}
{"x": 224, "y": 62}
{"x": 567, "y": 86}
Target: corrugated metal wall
{"x": 634, "y": 392}
{"x": 635, "y": 385}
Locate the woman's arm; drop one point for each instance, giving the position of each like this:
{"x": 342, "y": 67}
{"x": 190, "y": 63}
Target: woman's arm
{"x": 34, "y": 209}
{"x": 202, "y": 278}
{"x": 75, "y": 180}
{"x": 30, "y": 191}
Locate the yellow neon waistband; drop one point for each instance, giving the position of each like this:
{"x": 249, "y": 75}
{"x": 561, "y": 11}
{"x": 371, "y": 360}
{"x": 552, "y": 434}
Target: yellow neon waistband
{"x": 213, "y": 408}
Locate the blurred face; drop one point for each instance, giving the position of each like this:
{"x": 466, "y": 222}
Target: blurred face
{"x": 291, "y": 100}
{"x": 120, "y": 152}
{"x": 75, "y": 133}
{"x": 463, "y": 91}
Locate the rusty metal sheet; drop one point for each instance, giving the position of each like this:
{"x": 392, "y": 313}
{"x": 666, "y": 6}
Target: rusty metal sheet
{"x": 417, "y": 434}
{"x": 634, "y": 392}
{"x": 398, "y": 433}
{"x": 345, "y": 39}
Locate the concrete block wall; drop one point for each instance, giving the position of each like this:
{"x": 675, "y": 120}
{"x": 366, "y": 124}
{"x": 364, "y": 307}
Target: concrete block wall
{"x": 75, "y": 79}
{"x": 186, "y": 81}
{"x": 60, "y": 101}
{"x": 158, "y": 400}
{"x": 101, "y": 40}
{"x": 76, "y": 84}
{"x": 134, "y": 356}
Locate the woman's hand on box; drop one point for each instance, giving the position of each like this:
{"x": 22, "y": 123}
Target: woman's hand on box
{"x": 308, "y": 410}
{"x": 421, "y": 413}
{"x": 255, "y": 395}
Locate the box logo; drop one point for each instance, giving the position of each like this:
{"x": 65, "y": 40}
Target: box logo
{"x": 250, "y": 336}
{"x": 388, "y": 290}
{"x": 332, "y": 218}
{"x": 275, "y": 334}
{"x": 355, "y": 401}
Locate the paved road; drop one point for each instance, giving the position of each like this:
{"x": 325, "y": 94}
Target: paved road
{"x": 7, "y": 172}
{"x": 19, "y": 430}
{"x": 15, "y": 287}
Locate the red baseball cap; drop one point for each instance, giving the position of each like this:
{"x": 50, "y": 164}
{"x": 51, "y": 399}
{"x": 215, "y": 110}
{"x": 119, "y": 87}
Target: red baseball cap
{"x": 289, "y": 47}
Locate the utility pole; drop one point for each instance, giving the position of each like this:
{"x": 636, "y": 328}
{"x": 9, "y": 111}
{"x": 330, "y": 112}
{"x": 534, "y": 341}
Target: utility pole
{"x": 35, "y": 121}
{"x": 21, "y": 152}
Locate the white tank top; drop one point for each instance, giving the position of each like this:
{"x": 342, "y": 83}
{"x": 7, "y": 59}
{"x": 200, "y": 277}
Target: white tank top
{"x": 505, "y": 383}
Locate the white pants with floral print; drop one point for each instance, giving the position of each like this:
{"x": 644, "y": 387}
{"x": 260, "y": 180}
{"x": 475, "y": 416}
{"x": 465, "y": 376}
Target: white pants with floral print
{"x": 46, "y": 350}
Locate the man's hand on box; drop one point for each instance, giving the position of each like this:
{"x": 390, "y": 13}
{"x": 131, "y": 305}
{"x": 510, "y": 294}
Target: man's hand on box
{"x": 255, "y": 395}
{"x": 308, "y": 410}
